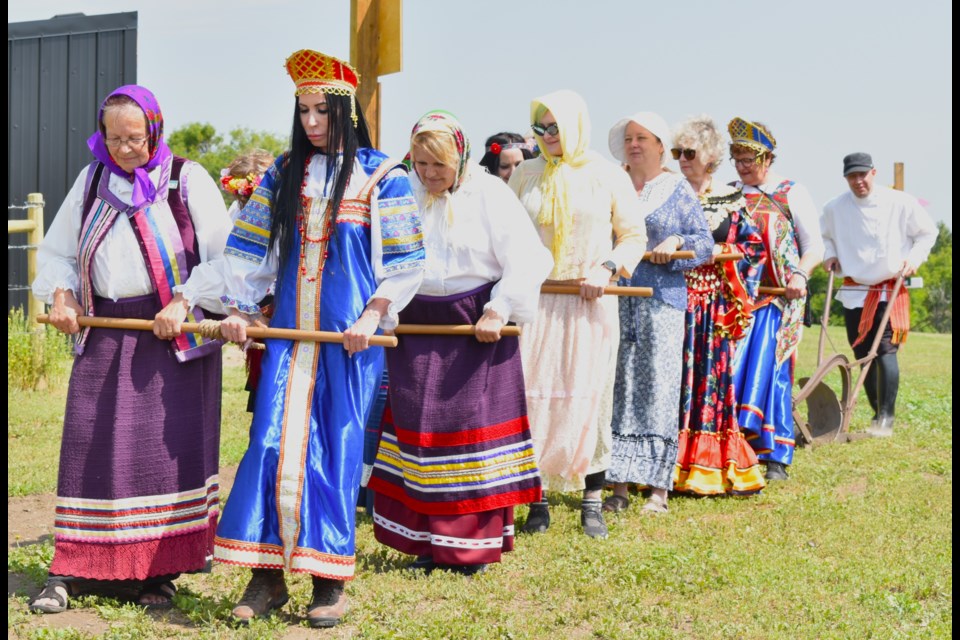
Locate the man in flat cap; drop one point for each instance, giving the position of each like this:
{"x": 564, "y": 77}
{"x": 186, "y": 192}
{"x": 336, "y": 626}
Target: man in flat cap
{"x": 872, "y": 233}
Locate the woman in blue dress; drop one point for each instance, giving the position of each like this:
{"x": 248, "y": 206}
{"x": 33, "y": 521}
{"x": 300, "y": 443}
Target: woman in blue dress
{"x": 336, "y": 224}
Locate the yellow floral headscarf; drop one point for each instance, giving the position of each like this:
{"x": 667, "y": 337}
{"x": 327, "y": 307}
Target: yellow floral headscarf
{"x": 574, "y": 123}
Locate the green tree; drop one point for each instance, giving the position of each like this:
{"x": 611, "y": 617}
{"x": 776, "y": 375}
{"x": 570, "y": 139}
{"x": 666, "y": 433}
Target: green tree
{"x": 932, "y": 306}
{"x": 201, "y": 143}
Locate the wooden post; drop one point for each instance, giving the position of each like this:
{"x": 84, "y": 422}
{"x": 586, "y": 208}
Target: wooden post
{"x": 898, "y": 176}
{"x": 35, "y": 237}
{"x": 375, "y": 50}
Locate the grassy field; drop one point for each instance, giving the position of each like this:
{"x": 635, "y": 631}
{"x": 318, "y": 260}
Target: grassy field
{"x": 856, "y": 545}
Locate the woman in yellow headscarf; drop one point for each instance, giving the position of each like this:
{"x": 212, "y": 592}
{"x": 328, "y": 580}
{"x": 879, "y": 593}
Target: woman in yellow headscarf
{"x": 586, "y": 213}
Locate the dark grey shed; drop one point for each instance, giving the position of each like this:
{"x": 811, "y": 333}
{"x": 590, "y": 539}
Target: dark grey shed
{"x": 58, "y": 71}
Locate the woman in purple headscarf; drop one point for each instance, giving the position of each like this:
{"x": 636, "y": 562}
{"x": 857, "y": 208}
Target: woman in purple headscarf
{"x": 137, "y": 490}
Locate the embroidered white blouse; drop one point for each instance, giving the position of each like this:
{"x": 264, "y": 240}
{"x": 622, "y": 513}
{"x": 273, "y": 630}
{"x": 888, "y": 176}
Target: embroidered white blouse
{"x": 118, "y": 268}
{"x": 480, "y": 234}
{"x": 806, "y": 219}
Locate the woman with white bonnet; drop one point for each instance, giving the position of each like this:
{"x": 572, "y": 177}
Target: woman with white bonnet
{"x": 646, "y": 401}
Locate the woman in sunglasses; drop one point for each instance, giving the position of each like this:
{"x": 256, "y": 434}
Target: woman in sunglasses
{"x": 714, "y": 457}
{"x": 647, "y": 393}
{"x": 587, "y": 214}
{"x": 788, "y": 221}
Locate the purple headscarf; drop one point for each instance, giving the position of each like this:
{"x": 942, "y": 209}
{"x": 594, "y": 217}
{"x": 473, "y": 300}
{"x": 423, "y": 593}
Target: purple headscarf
{"x": 143, "y": 189}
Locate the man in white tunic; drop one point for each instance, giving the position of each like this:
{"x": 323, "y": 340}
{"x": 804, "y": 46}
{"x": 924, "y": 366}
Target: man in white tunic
{"x": 871, "y": 234}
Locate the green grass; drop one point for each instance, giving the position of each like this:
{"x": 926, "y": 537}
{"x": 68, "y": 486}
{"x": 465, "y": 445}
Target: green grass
{"x": 856, "y": 545}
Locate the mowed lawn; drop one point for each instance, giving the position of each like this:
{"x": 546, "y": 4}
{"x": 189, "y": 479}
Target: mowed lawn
{"x": 857, "y": 544}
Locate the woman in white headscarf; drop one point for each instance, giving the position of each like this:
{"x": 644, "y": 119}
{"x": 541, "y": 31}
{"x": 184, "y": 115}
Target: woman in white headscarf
{"x": 587, "y": 214}
{"x": 646, "y": 403}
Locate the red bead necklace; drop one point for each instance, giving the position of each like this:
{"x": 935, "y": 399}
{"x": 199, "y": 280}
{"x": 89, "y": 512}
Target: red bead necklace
{"x": 302, "y": 225}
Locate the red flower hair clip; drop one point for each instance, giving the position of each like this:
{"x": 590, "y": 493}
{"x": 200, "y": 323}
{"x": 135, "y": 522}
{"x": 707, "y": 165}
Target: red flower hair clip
{"x": 495, "y": 148}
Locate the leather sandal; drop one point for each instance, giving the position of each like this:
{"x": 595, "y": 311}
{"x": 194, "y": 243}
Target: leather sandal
{"x": 654, "y": 507}
{"x": 56, "y": 590}
{"x": 164, "y": 590}
{"x": 616, "y": 503}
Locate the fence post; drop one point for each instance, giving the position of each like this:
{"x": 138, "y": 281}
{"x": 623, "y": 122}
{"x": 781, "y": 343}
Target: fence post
{"x": 35, "y": 237}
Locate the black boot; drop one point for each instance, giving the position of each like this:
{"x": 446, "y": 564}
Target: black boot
{"x": 776, "y": 471}
{"x": 538, "y": 520}
{"x": 591, "y": 519}
{"x": 889, "y": 384}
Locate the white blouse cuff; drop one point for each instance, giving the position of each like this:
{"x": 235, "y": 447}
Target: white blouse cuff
{"x": 500, "y": 307}
{"x": 389, "y": 321}
{"x": 251, "y": 309}
{"x": 55, "y": 277}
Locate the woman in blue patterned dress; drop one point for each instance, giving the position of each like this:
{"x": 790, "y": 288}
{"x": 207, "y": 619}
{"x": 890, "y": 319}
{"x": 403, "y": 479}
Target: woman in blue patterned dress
{"x": 646, "y": 400}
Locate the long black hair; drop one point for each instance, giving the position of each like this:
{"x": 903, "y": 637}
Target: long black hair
{"x": 342, "y": 137}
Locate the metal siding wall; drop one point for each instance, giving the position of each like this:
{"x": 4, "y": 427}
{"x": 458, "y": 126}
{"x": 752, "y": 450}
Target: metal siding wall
{"x": 59, "y": 71}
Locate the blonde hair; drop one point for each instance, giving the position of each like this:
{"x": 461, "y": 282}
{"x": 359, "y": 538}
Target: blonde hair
{"x": 439, "y": 144}
{"x": 251, "y": 162}
{"x": 700, "y": 133}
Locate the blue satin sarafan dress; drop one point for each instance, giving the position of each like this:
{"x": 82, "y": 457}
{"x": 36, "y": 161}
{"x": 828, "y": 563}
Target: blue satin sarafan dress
{"x": 293, "y": 502}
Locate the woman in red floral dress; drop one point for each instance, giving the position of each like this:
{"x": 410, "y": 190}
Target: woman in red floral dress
{"x": 714, "y": 458}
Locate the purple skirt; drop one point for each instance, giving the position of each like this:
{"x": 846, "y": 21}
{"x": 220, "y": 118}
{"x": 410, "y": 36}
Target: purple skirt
{"x": 137, "y": 493}
{"x": 459, "y": 440}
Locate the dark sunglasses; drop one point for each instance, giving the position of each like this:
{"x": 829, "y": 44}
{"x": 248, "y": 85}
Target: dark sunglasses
{"x": 541, "y": 130}
{"x": 689, "y": 154}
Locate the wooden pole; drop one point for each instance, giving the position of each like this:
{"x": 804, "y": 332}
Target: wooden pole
{"x": 134, "y": 324}
{"x": 364, "y": 43}
{"x": 375, "y": 50}
{"x": 898, "y": 176}
{"x": 35, "y": 213}
{"x": 574, "y": 290}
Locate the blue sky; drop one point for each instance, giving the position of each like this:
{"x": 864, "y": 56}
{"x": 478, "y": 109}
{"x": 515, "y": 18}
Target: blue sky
{"x": 828, "y": 77}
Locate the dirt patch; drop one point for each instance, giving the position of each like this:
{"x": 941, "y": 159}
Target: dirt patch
{"x": 853, "y": 489}
{"x": 82, "y": 620}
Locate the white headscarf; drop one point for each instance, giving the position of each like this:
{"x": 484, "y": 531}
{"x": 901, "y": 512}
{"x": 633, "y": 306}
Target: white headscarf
{"x": 650, "y": 121}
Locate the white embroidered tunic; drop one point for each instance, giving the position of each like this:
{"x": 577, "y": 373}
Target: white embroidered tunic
{"x": 487, "y": 237}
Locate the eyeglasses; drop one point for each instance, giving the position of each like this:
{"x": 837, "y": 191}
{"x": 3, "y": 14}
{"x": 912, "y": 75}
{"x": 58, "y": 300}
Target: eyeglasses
{"x": 745, "y": 162}
{"x": 133, "y": 143}
{"x": 540, "y": 130}
{"x": 689, "y": 154}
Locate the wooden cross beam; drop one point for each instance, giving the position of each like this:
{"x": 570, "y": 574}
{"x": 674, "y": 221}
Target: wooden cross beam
{"x": 375, "y": 50}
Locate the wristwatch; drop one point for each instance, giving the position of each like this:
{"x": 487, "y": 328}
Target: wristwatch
{"x": 610, "y": 264}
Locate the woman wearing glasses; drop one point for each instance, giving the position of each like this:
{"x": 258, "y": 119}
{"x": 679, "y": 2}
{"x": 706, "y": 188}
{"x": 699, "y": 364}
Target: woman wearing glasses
{"x": 786, "y": 218}
{"x": 647, "y": 394}
{"x": 137, "y": 488}
{"x": 714, "y": 457}
{"x": 586, "y": 213}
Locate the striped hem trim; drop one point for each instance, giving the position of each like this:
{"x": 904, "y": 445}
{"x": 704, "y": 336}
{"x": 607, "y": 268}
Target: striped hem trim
{"x": 443, "y": 541}
{"x": 269, "y": 556}
{"x": 138, "y": 518}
